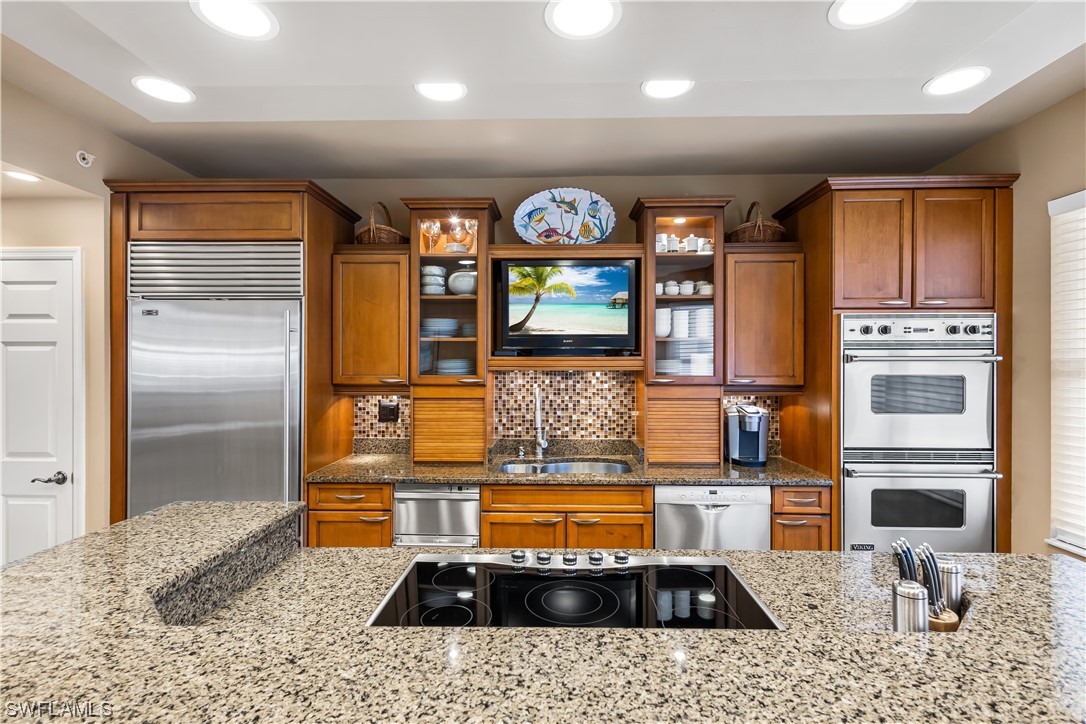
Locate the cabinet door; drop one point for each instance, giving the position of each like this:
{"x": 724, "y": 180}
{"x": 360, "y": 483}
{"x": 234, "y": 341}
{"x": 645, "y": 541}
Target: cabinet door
{"x": 215, "y": 216}
{"x": 608, "y": 530}
{"x": 369, "y": 319}
{"x": 449, "y": 427}
{"x": 801, "y": 533}
{"x": 350, "y": 496}
{"x": 683, "y": 427}
{"x": 815, "y": 501}
{"x": 764, "y": 337}
{"x": 523, "y": 530}
{"x": 955, "y": 248}
{"x": 872, "y": 249}
{"x": 350, "y": 529}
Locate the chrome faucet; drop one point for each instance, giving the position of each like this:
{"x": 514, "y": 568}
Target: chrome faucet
{"x": 540, "y": 433}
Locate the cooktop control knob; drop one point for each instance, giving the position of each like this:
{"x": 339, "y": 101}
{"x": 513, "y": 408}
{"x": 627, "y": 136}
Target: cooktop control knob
{"x": 569, "y": 559}
{"x": 867, "y": 329}
{"x": 595, "y": 558}
{"x": 885, "y": 329}
{"x": 518, "y": 556}
{"x": 954, "y": 329}
{"x": 972, "y": 329}
{"x": 543, "y": 558}
{"x": 622, "y": 557}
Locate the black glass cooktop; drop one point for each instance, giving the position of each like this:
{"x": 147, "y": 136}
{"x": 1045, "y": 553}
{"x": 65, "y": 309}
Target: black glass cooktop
{"x": 543, "y": 589}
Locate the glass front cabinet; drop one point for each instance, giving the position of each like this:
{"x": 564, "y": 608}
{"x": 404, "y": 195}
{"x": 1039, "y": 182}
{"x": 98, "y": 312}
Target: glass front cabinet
{"x": 684, "y": 287}
{"x": 449, "y": 239}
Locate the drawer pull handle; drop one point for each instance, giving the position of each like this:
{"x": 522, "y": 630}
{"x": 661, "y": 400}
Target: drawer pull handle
{"x": 894, "y": 303}
{"x": 585, "y": 520}
{"x": 802, "y": 500}
{"x": 392, "y": 381}
{"x": 380, "y": 519}
{"x": 547, "y": 520}
{"x": 471, "y": 381}
{"x": 792, "y": 522}
{"x": 350, "y": 497}
{"x": 740, "y": 382}
{"x": 935, "y": 301}
{"x": 661, "y": 381}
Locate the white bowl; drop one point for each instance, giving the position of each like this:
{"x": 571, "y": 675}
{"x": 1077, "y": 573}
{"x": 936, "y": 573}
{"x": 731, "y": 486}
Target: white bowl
{"x": 436, "y": 271}
{"x": 433, "y": 289}
{"x": 456, "y": 248}
{"x": 463, "y": 282}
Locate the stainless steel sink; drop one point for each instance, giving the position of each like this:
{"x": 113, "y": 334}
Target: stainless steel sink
{"x": 575, "y": 467}
{"x": 585, "y": 468}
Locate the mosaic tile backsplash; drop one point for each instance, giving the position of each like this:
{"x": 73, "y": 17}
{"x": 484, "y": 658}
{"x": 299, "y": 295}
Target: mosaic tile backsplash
{"x": 576, "y": 405}
{"x": 596, "y": 404}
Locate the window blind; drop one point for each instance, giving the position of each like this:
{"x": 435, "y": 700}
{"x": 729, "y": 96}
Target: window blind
{"x": 1069, "y": 371}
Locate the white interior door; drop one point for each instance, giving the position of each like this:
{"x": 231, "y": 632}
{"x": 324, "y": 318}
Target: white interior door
{"x": 40, "y": 333}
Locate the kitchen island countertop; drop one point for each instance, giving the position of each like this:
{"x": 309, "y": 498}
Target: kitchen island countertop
{"x": 80, "y": 629}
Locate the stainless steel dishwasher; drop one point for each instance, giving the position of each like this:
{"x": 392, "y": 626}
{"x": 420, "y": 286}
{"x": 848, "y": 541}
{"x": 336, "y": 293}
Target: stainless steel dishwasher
{"x": 713, "y": 518}
{"x": 436, "y": 515}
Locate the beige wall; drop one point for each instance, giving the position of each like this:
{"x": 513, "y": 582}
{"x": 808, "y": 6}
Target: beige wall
{"x": 772, "y": 190}
{"x": 77, "y": 222}
{"x": 1049, "y": 150}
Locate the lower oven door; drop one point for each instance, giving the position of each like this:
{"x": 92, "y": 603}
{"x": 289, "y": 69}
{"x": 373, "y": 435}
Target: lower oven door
{"x": 952, "y": 508}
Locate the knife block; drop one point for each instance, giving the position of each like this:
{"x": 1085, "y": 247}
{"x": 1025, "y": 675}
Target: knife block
{"x": 945, "y": 621}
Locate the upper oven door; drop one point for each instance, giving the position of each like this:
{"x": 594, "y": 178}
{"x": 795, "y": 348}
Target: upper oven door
{"x": 918, "y": 399}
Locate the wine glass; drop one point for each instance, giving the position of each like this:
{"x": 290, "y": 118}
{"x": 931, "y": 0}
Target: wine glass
{"x": 431, "y": 229}
{"x": 458, "y": 233}
{"x": 472, "y": 227}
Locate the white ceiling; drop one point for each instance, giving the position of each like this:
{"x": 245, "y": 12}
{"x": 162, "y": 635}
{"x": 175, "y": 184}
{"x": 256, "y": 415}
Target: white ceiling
{"x": 778, "y": 89}
{"x": 46, "y": 188}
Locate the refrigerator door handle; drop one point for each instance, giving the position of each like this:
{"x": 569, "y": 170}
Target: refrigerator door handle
{"x": 286, "y": 405}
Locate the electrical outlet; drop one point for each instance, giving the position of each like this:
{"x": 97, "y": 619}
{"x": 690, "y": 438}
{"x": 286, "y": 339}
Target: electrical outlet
{"x": 388, "y": 411}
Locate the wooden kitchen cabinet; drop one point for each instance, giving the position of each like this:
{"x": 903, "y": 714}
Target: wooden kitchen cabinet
{"x": 523, "y": 530}
{"x": 340, "y": 529}
{"x": 370, "y": 313}
{"x": 608, "y": 530}
{"x": 568, "y": 498}
{"x": 228, "y": 215}
{"x": 683, "y": 425}
{"x": 805, "y": 501}
{"x": 872, "y": 248}
{"x": 763, "y": 339}
{"x": 448, "y": 425}
{"x": 350, "y": 496}
{"x": 801, "y": 533}
{"x": 955, "y": 248}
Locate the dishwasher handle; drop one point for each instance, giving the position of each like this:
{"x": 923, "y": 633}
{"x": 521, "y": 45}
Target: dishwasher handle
{"x": 712, "y": 507}
{"x": 435, "y": 495}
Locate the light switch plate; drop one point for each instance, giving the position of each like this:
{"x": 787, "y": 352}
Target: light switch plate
{"x": 388, "y": 411}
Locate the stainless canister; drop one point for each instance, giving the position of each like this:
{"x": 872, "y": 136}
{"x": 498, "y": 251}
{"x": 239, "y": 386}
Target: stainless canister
{"x": 910, "y": 607}
{"x": 950, "y": 573}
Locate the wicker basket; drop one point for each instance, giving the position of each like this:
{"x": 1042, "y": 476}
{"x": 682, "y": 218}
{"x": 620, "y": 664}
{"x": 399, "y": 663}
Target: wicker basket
{"x": 379, "y": 233}
{"x": 761, "y": 231}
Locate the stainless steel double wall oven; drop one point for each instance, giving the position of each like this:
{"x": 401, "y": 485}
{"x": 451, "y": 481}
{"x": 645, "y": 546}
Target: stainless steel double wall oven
{"x": 918, "y": 415}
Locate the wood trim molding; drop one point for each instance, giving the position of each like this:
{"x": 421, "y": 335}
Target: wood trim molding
{"x": 118, "y": 359}
{"x": 852, "y": 183}
{"x": 234, "y": 184}
{"x": 453, "y": 203}
{"x": 652, "y": 202}
{"x": 566, "y": 251}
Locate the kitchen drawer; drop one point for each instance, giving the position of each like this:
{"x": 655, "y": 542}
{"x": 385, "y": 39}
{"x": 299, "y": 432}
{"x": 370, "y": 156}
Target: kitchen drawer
{"x": 568, "y": 498}
{"x": 215, "y": 216}
{"x": 800, "y": 533}
{"x": 341, "y": 529}
{"x": 523, "y": 530}
{"x": 804, "y": 501}
{"x": 609, "y": 530}
{"x": 349, "y": 496}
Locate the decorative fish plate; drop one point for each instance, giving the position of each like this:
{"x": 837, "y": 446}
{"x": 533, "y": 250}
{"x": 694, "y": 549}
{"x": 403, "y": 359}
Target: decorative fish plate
{"x": 564, "y": 216}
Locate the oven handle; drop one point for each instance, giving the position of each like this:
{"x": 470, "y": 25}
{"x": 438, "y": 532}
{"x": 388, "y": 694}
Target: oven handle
{"x": 988, "y": 475}
{"x": 901, "y": 358}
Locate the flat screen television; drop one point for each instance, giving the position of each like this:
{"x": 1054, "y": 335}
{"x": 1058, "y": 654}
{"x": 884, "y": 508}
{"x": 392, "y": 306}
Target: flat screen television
{"x": 552, "y": 307}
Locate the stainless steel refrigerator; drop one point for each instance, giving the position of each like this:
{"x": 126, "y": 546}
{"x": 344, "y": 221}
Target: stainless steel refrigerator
{"x": 214, "y": 373}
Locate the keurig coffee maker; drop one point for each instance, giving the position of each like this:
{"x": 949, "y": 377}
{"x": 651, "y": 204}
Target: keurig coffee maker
{"x": 748, "y": 435}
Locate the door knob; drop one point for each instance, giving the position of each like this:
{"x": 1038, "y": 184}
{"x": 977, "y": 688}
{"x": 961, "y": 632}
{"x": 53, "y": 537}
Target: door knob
{"x": 59, "y": 477}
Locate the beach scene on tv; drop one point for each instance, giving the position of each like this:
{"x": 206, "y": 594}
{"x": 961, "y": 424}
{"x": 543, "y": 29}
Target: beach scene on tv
{"x": 568, "y": 300}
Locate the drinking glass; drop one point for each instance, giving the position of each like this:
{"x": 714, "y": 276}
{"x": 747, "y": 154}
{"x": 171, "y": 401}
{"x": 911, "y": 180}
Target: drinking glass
{"x": 431, "y": 229}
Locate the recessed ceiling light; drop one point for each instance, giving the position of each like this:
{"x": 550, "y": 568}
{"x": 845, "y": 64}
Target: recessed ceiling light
{"x": 856, "y": 14}
{"x": 666, "y": 88}
{"x": 955, "y": 81}
{"x": 23, "y": 176}
{"x": 238, "y": 18}
{"x": 582, "y": 19}
{"x": 442, "y": 91}
{"x": 163, "y": 89}
{"x": 680, "y": 219}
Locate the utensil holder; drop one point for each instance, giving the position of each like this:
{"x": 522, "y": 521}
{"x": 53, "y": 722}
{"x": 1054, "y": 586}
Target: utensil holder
{"x": 910, "y": 607}
{"x": 950, "y": 573}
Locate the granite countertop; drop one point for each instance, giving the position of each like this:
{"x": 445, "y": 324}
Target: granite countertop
{"x": 398, "y": 468}
{"x": 79, "y": 630}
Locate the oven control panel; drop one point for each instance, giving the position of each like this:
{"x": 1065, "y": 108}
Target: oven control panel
{"x": 917, "y": 328}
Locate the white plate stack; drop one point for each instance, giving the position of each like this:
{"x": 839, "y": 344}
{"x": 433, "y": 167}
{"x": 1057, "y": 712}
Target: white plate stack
{"x": 468, "y": 329}
{"x": 680, "y": 324}
{"x": 452, "y": 367}
{"x": 663, "y": 322}
{"x": 426, "y": 356}
{"x": 438, "y": 327}
{"x": 668, "y": 366}
{"x": 701, "y": 364}
{"x": 701, "y": 323}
